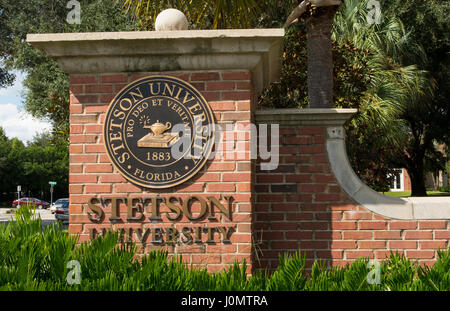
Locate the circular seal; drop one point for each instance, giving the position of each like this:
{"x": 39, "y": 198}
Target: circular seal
{"x": 158, "y": 131}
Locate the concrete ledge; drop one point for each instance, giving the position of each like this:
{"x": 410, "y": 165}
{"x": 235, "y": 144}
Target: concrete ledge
{"x": 256, "y": 50}
{"x": 295, "y": 116}
{"x": 430, "y": 208}
{"x": 144, "y": 35}
{"x": 396, "y": 208}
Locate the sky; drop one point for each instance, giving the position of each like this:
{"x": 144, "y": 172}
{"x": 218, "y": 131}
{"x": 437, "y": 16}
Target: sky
{"x": 14, "y": 120}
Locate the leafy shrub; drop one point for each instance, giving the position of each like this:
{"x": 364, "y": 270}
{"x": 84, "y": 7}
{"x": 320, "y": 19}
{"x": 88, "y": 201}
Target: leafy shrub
{"x": 444, "y": 189}
{"x": 35, "y": 258}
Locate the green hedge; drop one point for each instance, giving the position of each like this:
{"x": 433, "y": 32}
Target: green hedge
{"x": 35, "y": 258}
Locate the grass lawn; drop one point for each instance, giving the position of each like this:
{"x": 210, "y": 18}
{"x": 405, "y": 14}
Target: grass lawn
{"x": 404, "y": 194}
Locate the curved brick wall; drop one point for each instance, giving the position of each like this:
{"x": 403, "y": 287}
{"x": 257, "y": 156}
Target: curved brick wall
{"x": 301, "y": 206}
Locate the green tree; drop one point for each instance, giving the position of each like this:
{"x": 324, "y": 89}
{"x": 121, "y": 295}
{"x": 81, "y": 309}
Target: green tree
{"x": 428, "y": 23}
{"x": 5, "y": 149}
{"x": 47, "y": 86}
{"x": 245, "y": 13}
{"x": 9, "y": 166}
{"x": 33, "y": 166}
{"x": 384, "y": 71}
{"x": 6, "y": 78}
{"x": 43, "y": 140}
{"x": 413, "y": 115}
{"x": 41, "y": 165}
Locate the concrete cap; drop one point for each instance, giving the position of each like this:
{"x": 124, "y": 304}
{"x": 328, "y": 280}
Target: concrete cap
{"x": 307, "y": 116}
{"x": 256, "y": 50}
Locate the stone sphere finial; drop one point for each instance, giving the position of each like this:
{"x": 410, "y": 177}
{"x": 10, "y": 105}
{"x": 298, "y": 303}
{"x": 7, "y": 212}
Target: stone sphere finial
{"x": 171, "y": 19}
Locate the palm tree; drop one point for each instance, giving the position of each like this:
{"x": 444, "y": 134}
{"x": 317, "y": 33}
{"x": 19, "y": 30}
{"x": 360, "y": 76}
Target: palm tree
{"x": 243, "y": 13}
{"x": 319, "y": 24}
{"x": 215, "y": 14}
{"x": 398, "y": 92}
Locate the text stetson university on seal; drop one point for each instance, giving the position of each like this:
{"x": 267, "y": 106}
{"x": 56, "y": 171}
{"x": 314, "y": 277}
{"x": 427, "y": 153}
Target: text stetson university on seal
{"x": 158, "y": 131}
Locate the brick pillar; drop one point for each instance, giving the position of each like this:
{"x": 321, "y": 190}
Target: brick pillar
{"x": 229, "y": 68}
{"x": 229, "y": 173}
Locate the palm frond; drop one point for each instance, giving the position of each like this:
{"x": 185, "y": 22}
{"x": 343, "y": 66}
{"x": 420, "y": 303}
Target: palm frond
{"x": 217, "y": 14}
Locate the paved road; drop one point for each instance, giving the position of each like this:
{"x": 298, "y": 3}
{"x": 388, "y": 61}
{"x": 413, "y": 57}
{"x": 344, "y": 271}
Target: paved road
{"x": 45, "y": 214}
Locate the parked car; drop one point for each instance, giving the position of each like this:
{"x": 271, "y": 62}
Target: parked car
{"x": 30, "y": 202}
{"x": 62, "y": 211}
{"x": 57, "y": 204}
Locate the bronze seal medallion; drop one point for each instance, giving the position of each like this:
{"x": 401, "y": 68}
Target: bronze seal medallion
{"x": 158, "y": 131}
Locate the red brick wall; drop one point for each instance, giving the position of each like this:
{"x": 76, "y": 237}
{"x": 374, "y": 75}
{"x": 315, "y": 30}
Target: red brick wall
{"x": 91, "y": 173}
{"x": 300, "y": 206}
